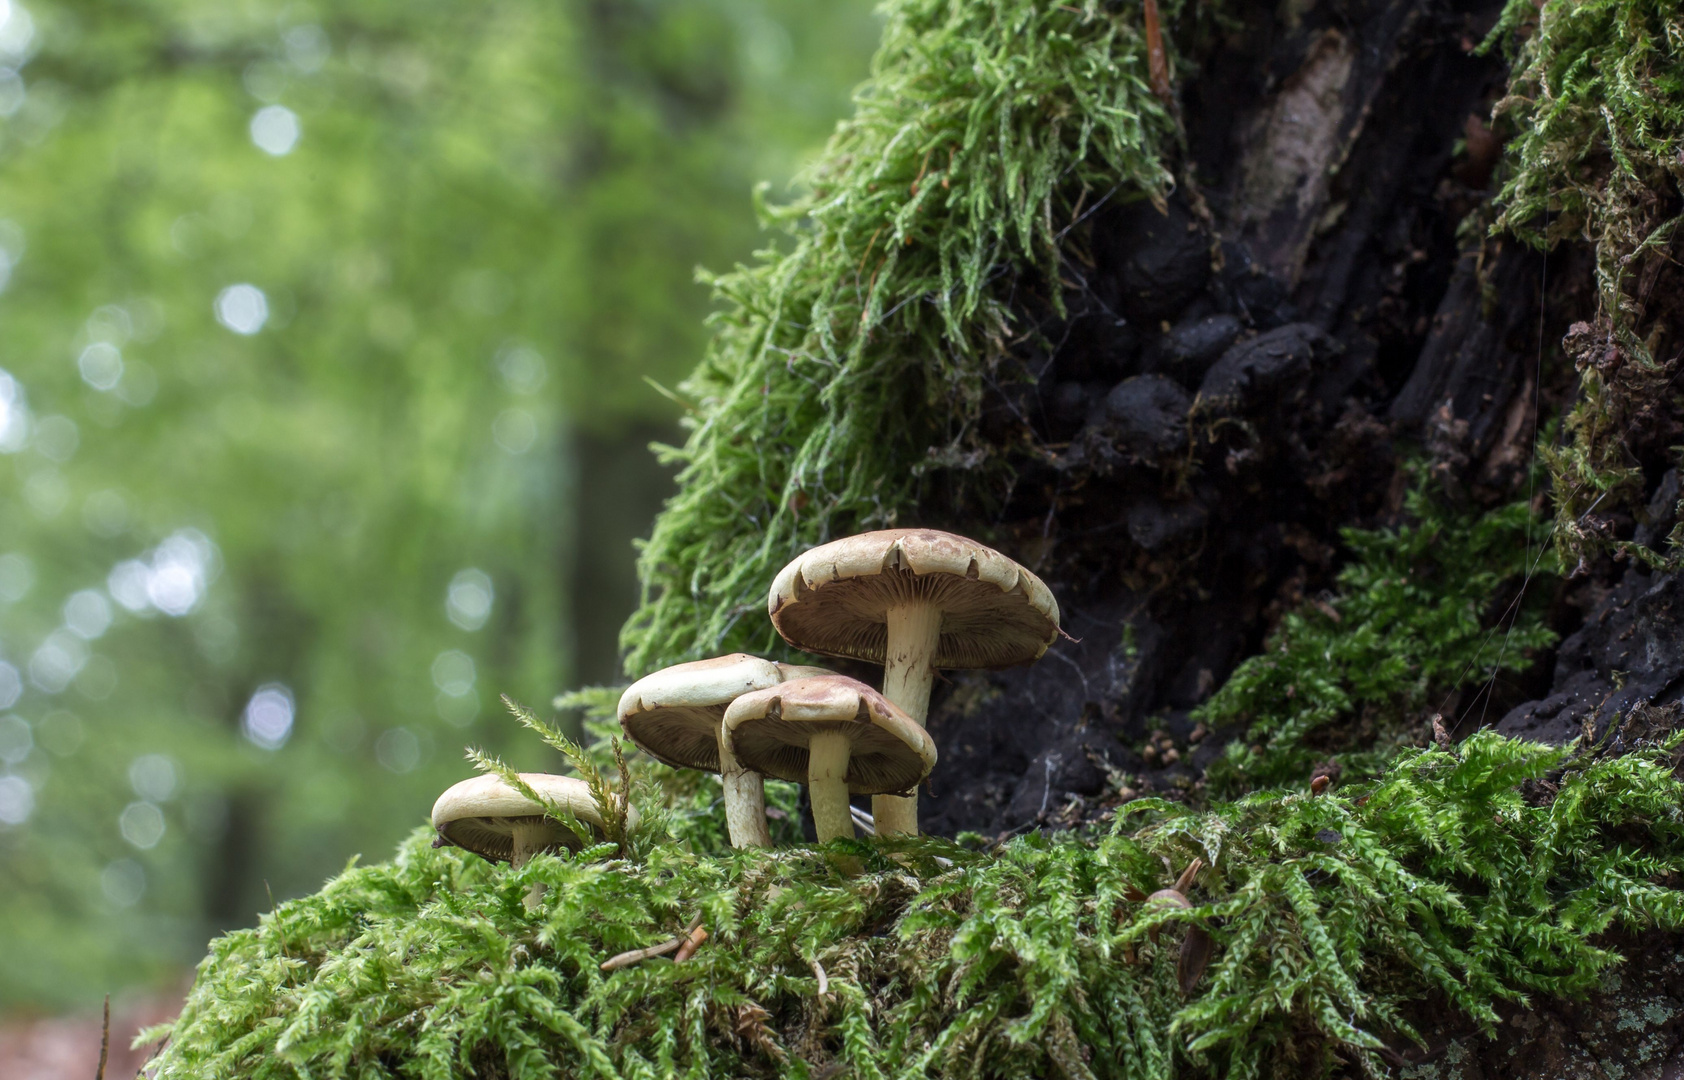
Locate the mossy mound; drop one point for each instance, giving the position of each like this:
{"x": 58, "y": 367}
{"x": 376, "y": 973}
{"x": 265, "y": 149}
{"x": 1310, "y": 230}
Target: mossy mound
{"x": 1471, "y": 877}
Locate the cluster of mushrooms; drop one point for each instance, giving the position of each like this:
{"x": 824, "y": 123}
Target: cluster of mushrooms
{"x": 913, "y": 600}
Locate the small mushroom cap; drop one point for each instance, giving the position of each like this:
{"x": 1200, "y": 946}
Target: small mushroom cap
{"x": 770, "y": 731}
{"x": 673, "y": 714}
{"x": 480, "y": 814}
{"x": 834, "y": 598}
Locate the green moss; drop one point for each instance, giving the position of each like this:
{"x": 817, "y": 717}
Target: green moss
{"x": 1411, "y": 618}
{"x": 1328, "y": 913}
{"x": 1596, "y": 97}
{"x": 841, "y": 364}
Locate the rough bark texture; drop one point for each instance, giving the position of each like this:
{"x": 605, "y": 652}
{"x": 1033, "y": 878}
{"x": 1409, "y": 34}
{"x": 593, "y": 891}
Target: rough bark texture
{"x": 1307, "y": 303}
{"x": 1312, "y": 297}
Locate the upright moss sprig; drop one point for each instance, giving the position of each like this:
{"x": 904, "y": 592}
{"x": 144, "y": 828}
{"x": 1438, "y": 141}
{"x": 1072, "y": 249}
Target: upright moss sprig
{"x": 1411, "y": 617}
{"x": 612, "y": 807}
{"x": 1467, "y": 877}
{"x": 1596, "y": 96}
{"x": 840, "y": 364}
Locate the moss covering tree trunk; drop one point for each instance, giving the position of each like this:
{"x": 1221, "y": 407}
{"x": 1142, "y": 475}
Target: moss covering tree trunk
{"x": 1252, "y": 374}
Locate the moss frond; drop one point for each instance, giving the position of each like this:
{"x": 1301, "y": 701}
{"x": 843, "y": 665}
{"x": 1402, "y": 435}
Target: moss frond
{"x": 1328, "y": 914}
{"x": 840, "y": 365}
{"x": 1596, "y": 95}
{"x": 1411, "y": 617}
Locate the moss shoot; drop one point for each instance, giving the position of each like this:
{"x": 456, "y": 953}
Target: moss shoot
{"x": 1596, "y": 98}
{"x": 1326, "y": 915}
{"x": 839, "y": 364}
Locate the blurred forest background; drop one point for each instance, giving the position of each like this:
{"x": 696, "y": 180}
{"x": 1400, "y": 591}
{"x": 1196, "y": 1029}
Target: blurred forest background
{"x": 326, "y": 334}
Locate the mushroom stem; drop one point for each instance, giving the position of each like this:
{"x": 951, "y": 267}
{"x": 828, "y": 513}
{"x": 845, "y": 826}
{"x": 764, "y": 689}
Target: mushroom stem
{"x": 828, "y": 753}
{"x": 528, "y": 839}
{"x": 745, "y": 800}
{"x": 914, "y": 632}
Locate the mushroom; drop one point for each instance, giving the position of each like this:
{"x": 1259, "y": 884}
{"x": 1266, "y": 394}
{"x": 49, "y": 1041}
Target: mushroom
{"x": 836, "y": 735}
{"x": 674, "y": 715}
{"x": 486, "y": 816}
{"x": 913, "y": 600}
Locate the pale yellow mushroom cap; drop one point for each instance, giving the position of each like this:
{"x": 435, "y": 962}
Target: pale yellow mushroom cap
{"x": 770, "y": 730}
{"x": 834, "y": 598}
{"x": 479, "y": 815}
{"x": 673, "y": 715}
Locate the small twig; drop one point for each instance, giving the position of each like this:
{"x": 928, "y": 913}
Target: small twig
{"x": 824, "y": 983}
{"x": 1185, "y": 881}
{"x": 104, "y": 1040}
{"x": 1157, "y": 63}
{"x": 692, "y": 942}
{"x": 863, "y": 820}
{"x": 627, "y": 959}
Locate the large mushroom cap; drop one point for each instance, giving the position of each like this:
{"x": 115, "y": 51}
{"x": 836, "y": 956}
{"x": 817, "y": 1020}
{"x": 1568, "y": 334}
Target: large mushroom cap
{"x": 770, "y": 731}
{"x": 480, "y": 814}
{"x": 673, "y": 715}
{"x": 834, "y": 598}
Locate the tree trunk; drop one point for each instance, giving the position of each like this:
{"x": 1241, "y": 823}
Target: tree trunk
{"x": 1304, "y": 298}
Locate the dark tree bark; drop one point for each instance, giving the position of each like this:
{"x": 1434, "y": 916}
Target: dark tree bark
{"x": 1307, "y": 285}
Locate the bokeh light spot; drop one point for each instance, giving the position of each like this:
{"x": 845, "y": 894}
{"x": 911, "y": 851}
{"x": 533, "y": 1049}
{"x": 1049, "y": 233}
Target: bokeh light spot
{"x": 11, "y": 685}
{"x": 14, "y": 415}
{"x": 57, "y": 661}
{"x": 242, "y": 308}
{"x": 153, "y": 777}
{"x": 398, "y": 750}
{"x": 123, "y": 882}
{"x": 457, "y": 710}
{"x": 514, "y": 430}
{"x": 17, "y": 31}
{"x": 522, "y": 368}
{"x": 171, "y": 578}
{"x": 453, "y": 672}
{"x": 275, "y": 130}
{"x": 142, "y": 825}
{"x": 16, "y": 740}
{"x": 56, "y": 437}
{"x": 268, "y": 718}
{"x": 101, "y": 365}
{"x": 307, "y": 47}
{"x": 17, "y": 800}
{"x": 468, "y": 600}
{"x": 87, "y": 614}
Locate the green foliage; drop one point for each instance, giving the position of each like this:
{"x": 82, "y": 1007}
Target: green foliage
{"x": 843, "y": 366}
{"x": 1328, "y": 914}
{"x": 1412, "y": 616}
{"x": 481, "y": 241}
{"x": 1596, "y": 96}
